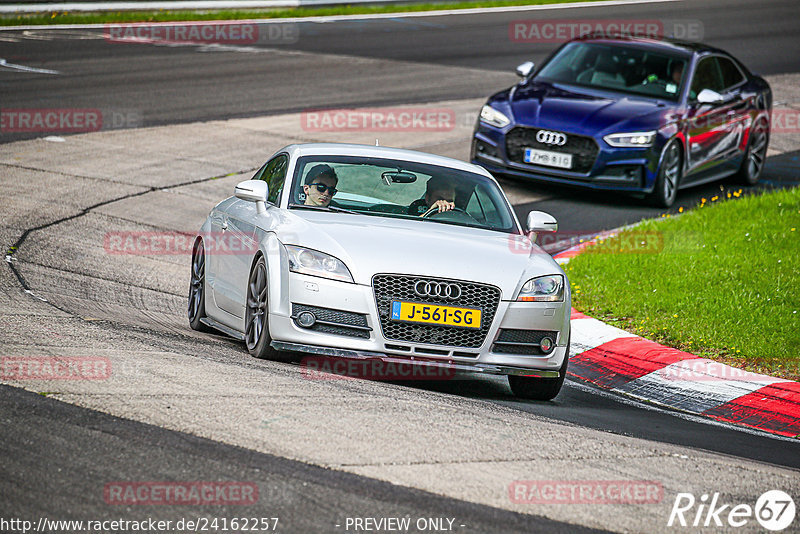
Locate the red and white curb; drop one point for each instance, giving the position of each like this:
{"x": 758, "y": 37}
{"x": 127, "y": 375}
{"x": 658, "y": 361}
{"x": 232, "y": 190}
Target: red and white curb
{"x": 619, "y": 361}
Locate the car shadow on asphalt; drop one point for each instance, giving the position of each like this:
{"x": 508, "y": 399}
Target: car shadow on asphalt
{"x": 481, "y": 387}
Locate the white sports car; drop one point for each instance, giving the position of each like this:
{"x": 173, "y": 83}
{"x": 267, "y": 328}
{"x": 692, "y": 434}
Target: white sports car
{"x": 360, "y": 252}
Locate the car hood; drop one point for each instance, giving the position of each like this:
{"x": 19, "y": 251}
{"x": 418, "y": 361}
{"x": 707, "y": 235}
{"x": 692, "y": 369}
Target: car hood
{"x": 560, "y": 107}
{"x": 369, "y": 245}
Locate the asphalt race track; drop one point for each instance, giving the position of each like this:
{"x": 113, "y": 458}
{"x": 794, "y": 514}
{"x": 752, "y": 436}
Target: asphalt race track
{"x": 183, "y": 406}
{"x": 110, "y": 448}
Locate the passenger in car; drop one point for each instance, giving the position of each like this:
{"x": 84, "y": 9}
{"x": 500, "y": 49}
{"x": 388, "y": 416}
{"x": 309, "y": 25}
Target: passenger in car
{"x": 677, "y": 72}
{"x": 440, "y": 193}
{"x": 320, "y": 185}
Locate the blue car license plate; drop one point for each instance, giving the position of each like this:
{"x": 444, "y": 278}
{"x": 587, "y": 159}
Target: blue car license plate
{"x": 548, "y": 158}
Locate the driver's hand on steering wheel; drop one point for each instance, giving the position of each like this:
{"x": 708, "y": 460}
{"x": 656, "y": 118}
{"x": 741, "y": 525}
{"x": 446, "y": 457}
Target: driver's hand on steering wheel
{"x": 442, "y": 205}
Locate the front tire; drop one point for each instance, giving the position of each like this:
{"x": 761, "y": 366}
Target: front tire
{"x": 535, "y": 388}
{"x": 197, "y": 288}
{"x": 752, "y": 166}
{"x": 669, "y": 177}
{"x": 256, "y": 333}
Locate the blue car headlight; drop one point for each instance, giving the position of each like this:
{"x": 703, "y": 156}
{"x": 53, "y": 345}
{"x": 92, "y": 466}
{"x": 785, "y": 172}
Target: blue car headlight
{"x": 631, "y": 139}
{"x": 489, "y": 115}
{"x": 312, "y": 262}
{"x": 543, "y": 289}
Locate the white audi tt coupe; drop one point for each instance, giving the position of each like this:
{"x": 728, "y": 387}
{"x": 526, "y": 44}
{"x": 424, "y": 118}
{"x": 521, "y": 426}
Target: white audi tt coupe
{"x": 361, "y": 252}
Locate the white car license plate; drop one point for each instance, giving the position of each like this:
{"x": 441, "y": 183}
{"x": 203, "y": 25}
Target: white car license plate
{"x": 545, "y": 157}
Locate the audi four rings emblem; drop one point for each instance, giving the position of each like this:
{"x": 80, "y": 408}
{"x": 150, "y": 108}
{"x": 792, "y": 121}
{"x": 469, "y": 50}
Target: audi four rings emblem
{"x": 437, "y": 289}
{"x": 551, "y": 138}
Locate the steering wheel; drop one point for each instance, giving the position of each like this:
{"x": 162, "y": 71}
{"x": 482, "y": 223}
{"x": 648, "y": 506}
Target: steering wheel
{"x": 434, "y": 211}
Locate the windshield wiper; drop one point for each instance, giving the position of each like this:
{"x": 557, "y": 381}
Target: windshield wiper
{"x": 323, "y": 208}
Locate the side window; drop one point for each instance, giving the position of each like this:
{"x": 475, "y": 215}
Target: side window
{"x": 274, "y": 173}
{"x": 731, "y": 75}
{"x": 482, "y": 209}
{"x": 707, "y": 76}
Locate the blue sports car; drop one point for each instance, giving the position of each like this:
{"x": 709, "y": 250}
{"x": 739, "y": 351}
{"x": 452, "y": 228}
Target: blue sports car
{"x": 631, "y": 115}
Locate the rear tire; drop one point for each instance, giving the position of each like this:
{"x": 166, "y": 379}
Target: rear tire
{"x": 753, "y": 163}
{"x": 535, "y": 388}
{"x": 256, "y": 332}
{"x": 197, "y": 288}
{"x": 669, "y": 177}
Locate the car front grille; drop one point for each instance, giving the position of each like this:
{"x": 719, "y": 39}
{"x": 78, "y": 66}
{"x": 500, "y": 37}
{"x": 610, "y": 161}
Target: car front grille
{"x": 583, "y": 149}
{"x": 389, "y": 287}
{"x": 514, "y": 341}
{"x": 330, "y": 321}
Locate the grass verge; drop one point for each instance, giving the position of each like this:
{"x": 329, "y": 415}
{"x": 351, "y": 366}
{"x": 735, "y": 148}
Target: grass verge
{"x": 721, "y": 281}
{"x": 182, "y": 15}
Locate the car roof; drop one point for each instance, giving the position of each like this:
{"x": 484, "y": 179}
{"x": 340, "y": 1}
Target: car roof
{"x": 345, "y": 149}
{"x": 656, "y": 43}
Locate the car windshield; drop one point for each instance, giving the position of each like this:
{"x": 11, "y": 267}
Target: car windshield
{"x": 399, "y": 189}
{"x": 620, "y": 68}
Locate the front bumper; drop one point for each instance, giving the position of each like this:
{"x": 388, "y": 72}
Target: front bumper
{"x": 631, "y": 170}
{"x": 369, "y": 342}
{"x": 457, "y": 367}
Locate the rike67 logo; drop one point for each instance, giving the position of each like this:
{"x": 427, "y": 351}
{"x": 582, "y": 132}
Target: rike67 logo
{"x": 774, "y": 510}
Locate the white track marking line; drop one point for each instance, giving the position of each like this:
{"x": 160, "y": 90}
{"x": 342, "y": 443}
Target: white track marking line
{"x": 4, "y": 63}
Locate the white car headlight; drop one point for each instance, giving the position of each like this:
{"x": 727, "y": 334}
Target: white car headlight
{"x": 543, "y": 289}
{"x": 631, "y": 139}
{"x": 491, "y": 116}
{"x": 315, "y": 263}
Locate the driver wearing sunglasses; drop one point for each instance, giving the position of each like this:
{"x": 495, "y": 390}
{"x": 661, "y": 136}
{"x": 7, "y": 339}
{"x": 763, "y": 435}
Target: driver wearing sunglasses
{"x": 320, "y": 185}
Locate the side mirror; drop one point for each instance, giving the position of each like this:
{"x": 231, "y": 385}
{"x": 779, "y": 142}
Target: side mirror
{"x": 525, "y": 70}
{"x": 709, "y": 96}
{"x": 539, "y": 221}
{"x": 253, "y": 191}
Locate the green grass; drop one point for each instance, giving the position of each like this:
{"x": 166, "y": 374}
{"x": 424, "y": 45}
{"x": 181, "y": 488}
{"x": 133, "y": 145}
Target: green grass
{"x": 168, "y": 16}
{"x": 725, "y": 285}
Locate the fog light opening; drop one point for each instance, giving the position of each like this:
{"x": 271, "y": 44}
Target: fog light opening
{"x": 485, "y": 149}
{"x": 306, "y": 319}
{"x": 546, "y": 344}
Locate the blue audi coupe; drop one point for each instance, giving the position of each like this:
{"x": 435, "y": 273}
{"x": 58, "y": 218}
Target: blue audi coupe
{"x": 636, "y": 115}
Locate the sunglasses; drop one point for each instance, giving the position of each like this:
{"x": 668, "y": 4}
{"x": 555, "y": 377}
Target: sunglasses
{"x": 322, "y": 188}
